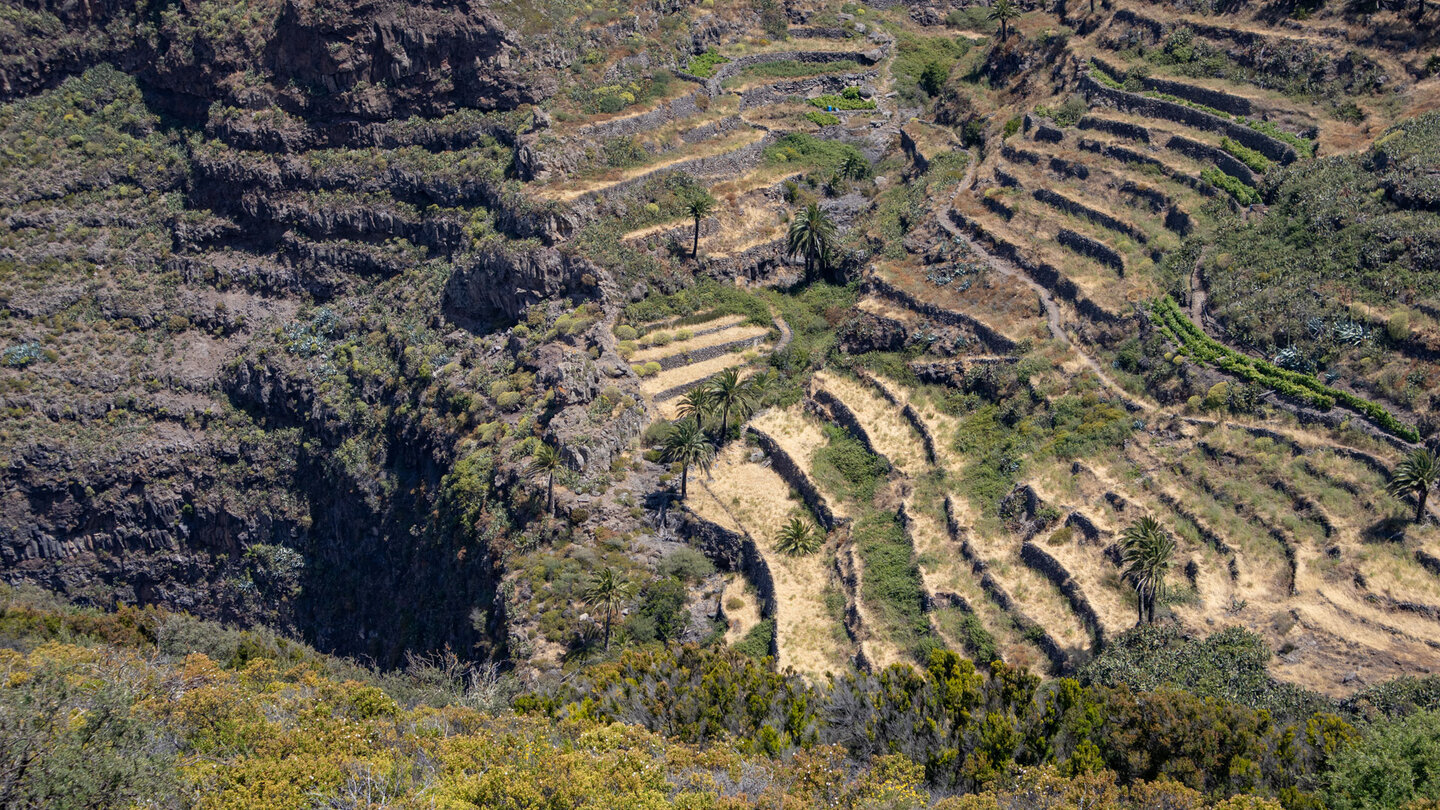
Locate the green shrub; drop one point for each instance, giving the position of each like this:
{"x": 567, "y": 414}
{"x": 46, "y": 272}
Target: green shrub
{"x": 1391, "y": 767}
{"x": 756, "y": 642}
{"x": 1304, "y": 146}
{"x": 1397, "y": 326}
{"x": 1242, "y": 193}
{"x": 822, "y": 119}
{"x": 686, "y": 564}
{"x": 845, "y": 467}
{"x": 509, "y": 401}
{"x": 849, "y": 100}
{"x": 704, "y": 65}
{"x": 923, "y": 64}
{"x": 791, "y": 69}
{"x": 624, "y": 332}
{"x": 891, "y": 586}
{"x": 649, "y": 369}
{"x": 1254, "y": 160}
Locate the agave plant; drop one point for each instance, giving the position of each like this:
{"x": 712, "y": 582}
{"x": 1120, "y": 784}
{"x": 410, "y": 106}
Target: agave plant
{"x": 798, "y": 537}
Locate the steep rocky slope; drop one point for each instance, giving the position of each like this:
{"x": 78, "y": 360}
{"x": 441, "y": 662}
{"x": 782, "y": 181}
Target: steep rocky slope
{"x": 294, "y": 293}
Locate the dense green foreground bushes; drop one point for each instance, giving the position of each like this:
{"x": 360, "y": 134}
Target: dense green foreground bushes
{"x": 1294, "y": 384}
{"x": 145, "y": 708}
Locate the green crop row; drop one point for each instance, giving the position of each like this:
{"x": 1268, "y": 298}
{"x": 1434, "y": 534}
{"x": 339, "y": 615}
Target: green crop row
{"x": 1254, "y": 160}
{"x": 848, "y": 100}
{"x": 1242, "y": 193}
{"x": 1304, "y": 146}
{"x": 1304, "y": 387}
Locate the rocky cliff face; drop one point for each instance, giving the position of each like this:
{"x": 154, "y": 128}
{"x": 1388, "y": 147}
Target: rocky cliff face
{"x": 243, "y": 399}
{"x": 371, "y": 61}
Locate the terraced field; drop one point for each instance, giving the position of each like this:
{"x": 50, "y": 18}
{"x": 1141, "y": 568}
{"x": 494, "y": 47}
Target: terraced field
{"x": 1065, "y": 225}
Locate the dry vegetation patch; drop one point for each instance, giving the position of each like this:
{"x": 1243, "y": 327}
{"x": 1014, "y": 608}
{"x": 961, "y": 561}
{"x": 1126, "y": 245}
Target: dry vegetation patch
{"x": 809, "y": 634}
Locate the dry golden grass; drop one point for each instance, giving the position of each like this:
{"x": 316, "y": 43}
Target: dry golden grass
{"x": 568, "y": 190}
{"x": 746, "y": 225}
{"x": 1330, "y": 627}
{"x": 657, "y": 228}
{"x": 892, "y": 436}
{"x": 884, "y": 309}
{"x": 684, "y": 374}
{"x": 811, "y": 640}
{"x": 1035, "y": 231}
{"x": 1000, "y": 302}
{"x": 698, "y": 342}
{"x": 797, "y": 433}
{"x": 740, "y": 620}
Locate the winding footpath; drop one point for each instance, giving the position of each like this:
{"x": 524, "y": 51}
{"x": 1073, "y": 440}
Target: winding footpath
{"x": 1052, "y": 310}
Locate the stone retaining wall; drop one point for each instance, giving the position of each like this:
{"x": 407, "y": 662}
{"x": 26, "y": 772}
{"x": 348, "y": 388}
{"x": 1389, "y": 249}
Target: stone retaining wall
{"x": 675, "y": 109}
{"x": 1225, "y": 102}
{"x": 1205, "y": 153}
{"x": 1145, "y": 106}
{"x": 1069, "y": 168}
{"x": 739, "y": 63}
{"x": 1121, "y": 129}
{"x": 1043, "y": 273}
{"x": 993, "y": 340}
{"x": 731, "y": 551}
{"x": 1092, "y": 248}
{"x": 907, "y": 410}
{"x": 708, "y": 353}
{"x": 790, "y": 473}
{"x": 814, "y": 86}
{"x": 1029, "y": 628}
{"x": 1079, "y": 209}
{"x": 1051, "y": 568}
{"x": 829, "y": 408}
{"x": 728, "y": 164}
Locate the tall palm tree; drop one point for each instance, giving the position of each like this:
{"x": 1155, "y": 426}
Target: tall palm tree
{"x": 797, "y": 537}
{"x": 730, "y": 394}
{"x": 812, "y": 235}
{"x": 759, "y": 385}
{"x": 687, "y": 446}
{"x": 699, "y": 207}
{"x": 609, "y": 593}
{"x": 1416, "y": 475}
{"x": 1004, "y": 11}
{"x": 543, "y": 465}
{"x": 855, "y": 166}
{"x": 1146, "y": 550}
{"x": 696, "y": 403}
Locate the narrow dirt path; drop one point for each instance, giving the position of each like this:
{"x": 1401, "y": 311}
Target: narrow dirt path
{"x": 1052, "y": 310}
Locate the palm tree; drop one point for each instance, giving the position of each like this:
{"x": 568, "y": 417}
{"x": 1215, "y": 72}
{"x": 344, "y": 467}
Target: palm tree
{"x": 729, "y": 393}
{"x": 1416, "y": 475}
{"x": 687, "y": 446}
{"x": 855, "y": 166}
{"x": 759, "y": 385}
{"x": 1004, "y": 11}
{"x": 1146, "y": 550}
{"x": 812, "y": 235}
{"x": 608, "y": 592}
{"x": 696, "y": 403}
{"x": 798, "y": 537}
{"x": 699, "y": 207}
{"x": 544, "y": 464}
